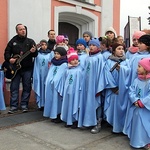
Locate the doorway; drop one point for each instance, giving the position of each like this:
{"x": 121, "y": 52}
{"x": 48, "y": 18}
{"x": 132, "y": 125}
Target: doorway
{"x": 70, "y": 30}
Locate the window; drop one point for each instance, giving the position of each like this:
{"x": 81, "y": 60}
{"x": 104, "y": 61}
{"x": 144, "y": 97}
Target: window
{"x": 86, "y": 1}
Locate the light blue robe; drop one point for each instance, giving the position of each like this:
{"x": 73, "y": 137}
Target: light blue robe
{"x": 115, "y": 105}
{"x": 129, "y": 55}
{"x": 53, "y": 100}
{"x": 106, "y": 54}
{"x": 93, "y": 84}
{"x": 72, "y": 94}
{"x": 2, "y": 102}
{"x": 134, "y": 63}
{"x": 137, "y": 125}
{"x": 41, "y": 67}
{"x": 82, "y": 58}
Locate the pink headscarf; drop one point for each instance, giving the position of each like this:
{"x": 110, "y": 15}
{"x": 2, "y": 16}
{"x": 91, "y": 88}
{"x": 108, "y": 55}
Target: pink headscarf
{"x": 145, "y": 63}
{"x": 60, "y": 39}
{"x": 138, "y": 34}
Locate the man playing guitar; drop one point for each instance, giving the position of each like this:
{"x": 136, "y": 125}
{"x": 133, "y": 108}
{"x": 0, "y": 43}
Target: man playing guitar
{"x": 20, "y": 45}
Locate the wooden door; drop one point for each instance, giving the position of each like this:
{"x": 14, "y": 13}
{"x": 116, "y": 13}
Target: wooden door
{"x": 70, "y": 30}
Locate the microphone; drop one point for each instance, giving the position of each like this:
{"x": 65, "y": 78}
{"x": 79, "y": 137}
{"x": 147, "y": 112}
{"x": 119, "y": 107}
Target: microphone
{"x": 115, "y": 65}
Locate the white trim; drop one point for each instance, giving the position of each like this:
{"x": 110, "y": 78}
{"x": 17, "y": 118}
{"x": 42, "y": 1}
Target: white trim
{"x": 90, "y": 23}
{"x": 88, "y": 6}
{"x": 106, "y": 15}
{"x": 91, "y": 1}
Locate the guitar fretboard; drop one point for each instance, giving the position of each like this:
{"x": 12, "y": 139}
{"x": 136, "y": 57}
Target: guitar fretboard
{"x": 23, "y": 56}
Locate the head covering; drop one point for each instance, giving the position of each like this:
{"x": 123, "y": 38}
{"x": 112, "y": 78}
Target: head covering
{"x": 145, "y": 39}
{"x": 115, "y": 45}
{"x": 61, "y": 50}
{"x": 145, "y": 63}
{"x": 66, "y": 37}
{"x": 95, "y": 41}
{"x": 44, "y": 41}
{"x": 111, "y": 29}
{"x": 71, "y": 54}
{"x": 88, "y": 33}
{"x": 138, "y": 34}
{"x": 81, "y": 41}
{"x": 59, "y": 39}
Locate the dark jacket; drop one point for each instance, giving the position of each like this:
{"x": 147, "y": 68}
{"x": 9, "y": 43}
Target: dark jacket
{"x": 19, "y": 46}
{"x": 51, "y": 44}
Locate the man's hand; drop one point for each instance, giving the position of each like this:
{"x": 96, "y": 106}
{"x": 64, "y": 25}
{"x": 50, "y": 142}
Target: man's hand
{"x": 12, "y": 60}
{"x": 33, "y": 49}
{"x": 136, "y": 104}
{"x": 118, "y": 67}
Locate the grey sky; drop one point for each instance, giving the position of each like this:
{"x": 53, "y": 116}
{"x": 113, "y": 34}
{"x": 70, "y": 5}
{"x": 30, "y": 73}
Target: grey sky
{"x": 134, "y": 8}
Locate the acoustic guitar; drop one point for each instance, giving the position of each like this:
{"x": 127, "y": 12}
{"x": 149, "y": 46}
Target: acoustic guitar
{"x": 10, "y": 70}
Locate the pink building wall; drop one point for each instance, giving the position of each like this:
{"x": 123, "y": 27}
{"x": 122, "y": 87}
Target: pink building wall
{"x": 4, "y": 19}
{"x": 4, "y": 27}
{"x": 116, "y": 15}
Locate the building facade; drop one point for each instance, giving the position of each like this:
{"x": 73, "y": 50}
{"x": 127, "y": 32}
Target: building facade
{"x": 71, "y": 17}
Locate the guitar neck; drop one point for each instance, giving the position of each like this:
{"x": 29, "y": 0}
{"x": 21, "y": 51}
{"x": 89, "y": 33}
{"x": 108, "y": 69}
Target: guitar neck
{"x": 24, "y": 56}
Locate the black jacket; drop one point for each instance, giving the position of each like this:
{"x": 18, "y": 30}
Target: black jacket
{"x": 20, "y": 46}
{"x": 51, "y": 44}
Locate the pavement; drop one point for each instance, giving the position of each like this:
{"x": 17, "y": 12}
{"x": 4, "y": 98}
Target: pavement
{"x": 32, "y": 131}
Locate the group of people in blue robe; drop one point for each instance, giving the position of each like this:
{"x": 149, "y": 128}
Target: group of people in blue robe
{"x": 96, "y": 82}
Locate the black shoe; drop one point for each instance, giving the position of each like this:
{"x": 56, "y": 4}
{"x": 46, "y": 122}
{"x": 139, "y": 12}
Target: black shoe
{"x": 75, "y": 125}
{"x": 41, "y": 109}
{"x": 12, "y": 110}
{"x": 53, "y": 120}
{"x": 58, "y": 120}
{"x": 24, "y": 110}
{"x": 67, "y": 126}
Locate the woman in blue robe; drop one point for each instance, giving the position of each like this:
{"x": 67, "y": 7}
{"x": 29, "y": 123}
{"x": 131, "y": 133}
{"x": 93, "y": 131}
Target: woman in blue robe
{"x": 134, "y": 48}
{"x": 41, "y": 67}
{"x": 90, "y": 109}
{"x": 53, "y": 100}
{"x": 142, "y": 53}
{"x": 131, "y": 51}
{"x": 73, "y": 87}
{"x": 2, "y": 102}
{"x": 137, "y": 125}
{"x": 116, "y": 85}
